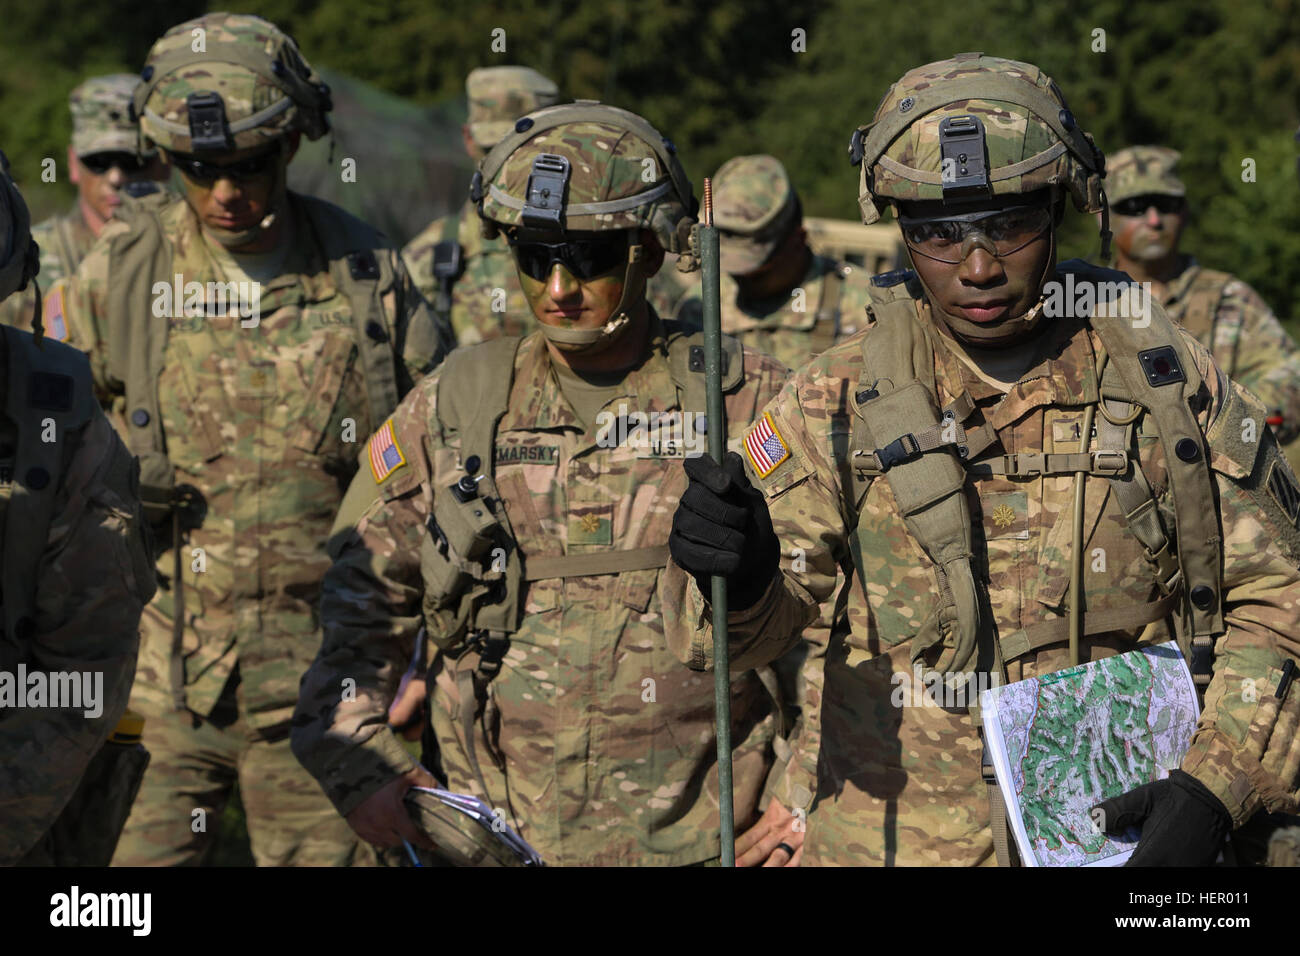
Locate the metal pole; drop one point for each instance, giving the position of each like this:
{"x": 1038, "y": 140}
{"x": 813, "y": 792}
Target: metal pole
{"x": 716, "y": 423}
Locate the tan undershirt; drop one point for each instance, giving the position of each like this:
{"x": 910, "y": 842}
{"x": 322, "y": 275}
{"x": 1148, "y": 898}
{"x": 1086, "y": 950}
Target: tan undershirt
{"x": 259, "y": 267}
{"x": 589, "y": 392}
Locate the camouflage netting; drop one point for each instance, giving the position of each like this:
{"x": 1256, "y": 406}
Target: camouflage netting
{"x": 392, "y": 141}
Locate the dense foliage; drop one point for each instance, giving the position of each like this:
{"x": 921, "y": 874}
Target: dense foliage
{"x": 1217, "y": 79}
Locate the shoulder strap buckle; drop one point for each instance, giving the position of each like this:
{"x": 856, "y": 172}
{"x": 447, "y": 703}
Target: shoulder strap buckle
{"x": 1109, "y": 462}
{"x": 901, "y": 449}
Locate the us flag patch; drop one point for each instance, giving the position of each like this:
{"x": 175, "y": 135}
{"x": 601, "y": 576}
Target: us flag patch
{"x": 55, "y": 327}
{"x": 385, "y": 454}
{"x": 765, "y": 447}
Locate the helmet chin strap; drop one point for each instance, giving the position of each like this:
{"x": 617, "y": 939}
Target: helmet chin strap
{"x": 590, "y": 341}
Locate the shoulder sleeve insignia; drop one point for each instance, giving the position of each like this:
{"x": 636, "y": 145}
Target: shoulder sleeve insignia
{"x": 765, "y": 446}
{"x": 55, "y": 327}
{"x": 385, "y": 454}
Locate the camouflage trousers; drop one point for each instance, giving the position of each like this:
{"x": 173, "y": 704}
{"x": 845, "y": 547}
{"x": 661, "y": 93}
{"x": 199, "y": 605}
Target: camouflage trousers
{"x": 195, "y": 764}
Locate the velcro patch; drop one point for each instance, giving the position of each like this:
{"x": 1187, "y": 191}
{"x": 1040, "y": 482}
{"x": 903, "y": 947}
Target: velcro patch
{"x": 385, "y": 454}
{"x": 51, "y": 391}
{"x": 765, "y": 446}
{"x": 1283, "y": 490}
{"x": 591, "y": 524}
{"x": 1006, "y": 515}
{"x": 527, "y": 454}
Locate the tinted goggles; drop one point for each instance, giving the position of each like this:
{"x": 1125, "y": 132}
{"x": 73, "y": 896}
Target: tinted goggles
{"x": 1138, "y": 205}
{"x": 100, "y": 163}
{"x": 584, "y": 258}
{"x": 205, "y": 173}
{"x": 1000, "y": 231}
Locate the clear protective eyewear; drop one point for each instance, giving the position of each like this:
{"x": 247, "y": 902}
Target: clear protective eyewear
{"x": 999, "y": 232}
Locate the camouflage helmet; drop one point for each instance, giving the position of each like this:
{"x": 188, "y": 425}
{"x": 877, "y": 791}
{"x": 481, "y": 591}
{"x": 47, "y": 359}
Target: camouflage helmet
{"x": 973, "y": 127}
{"x": 19, "y": 255}
{"x": 245, "y": 85}
{"x": 586, "y": 167}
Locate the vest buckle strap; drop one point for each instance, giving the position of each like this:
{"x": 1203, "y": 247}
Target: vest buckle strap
{"x": 901, "y": 449}
{"x": 1109, "y": 462}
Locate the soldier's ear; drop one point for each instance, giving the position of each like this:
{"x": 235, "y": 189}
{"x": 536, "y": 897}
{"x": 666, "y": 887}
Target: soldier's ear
{"x": 74, "y": 168}
{"x": 653, "y": 257}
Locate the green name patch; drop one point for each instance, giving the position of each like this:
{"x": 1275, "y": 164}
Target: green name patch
{"x": 530, "y": 454}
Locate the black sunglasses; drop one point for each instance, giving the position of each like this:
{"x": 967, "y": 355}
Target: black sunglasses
{"x": 100, "y": 163}
{"x": 205, "y": 173}
{"x": 585, "y": 258}
{"x": 1138, "y": 205}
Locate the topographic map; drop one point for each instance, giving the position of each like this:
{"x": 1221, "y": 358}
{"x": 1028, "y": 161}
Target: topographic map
{"x": 1063, "y": 742}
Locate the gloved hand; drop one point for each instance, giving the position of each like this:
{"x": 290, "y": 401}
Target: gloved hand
{"x": 722, "y": 527}
{"x": 1183, "y": 823}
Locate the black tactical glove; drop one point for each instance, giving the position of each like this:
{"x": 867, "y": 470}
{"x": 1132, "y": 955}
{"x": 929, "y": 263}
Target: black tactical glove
{"x": 722, "y": 527}
{"x": 1183, "y": 823}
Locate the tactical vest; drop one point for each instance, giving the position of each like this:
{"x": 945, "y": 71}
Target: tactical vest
{"x": 475, "y": 576}
{"x": 1198, "y": 313}
{"x": 67, "y": 245}
{"x": 926, "y": 455}
{"x": 50, "y": 382}
{"x": 142, "y": 256}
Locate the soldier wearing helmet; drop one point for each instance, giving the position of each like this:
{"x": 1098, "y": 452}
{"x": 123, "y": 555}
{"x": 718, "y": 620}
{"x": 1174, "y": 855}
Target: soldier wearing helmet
{"x": 1020, "y": 465}
{"x": 517, "y": 508}
{"x": 462, "y": 275}
{"x": 1150, "y": 210}
{"x": 102, "y": 161}
{"x": 252, "y": 338}
{"x": 74, "y": 565}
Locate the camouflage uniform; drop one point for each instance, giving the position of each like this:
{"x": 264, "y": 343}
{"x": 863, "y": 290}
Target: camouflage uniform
{"x": 264, "y": 421}
{"x": 755, "y": 209}
{"x": 100, "y": 124}
{"x": 83, "y": 563}
{"x": 486, "y": 299}
{"x": 1225, "y": 314}
{"x": 598, "y": 747}
{"x": 902, "y": 784}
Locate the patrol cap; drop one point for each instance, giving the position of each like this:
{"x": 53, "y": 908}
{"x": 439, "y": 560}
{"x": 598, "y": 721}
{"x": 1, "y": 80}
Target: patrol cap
{"x": 499, "y": 95}
{"x": 1143, "y": 171}
{"x": 101, "y": 115}
{"x": 754, "y": 207}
